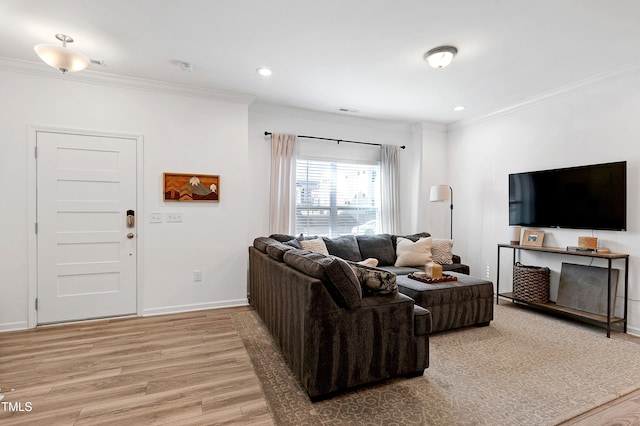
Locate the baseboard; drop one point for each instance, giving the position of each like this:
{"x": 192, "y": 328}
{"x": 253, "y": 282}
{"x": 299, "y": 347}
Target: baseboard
{"x": 194, "y": 307}
{"x": 633, "y": 331}
{"x": 12, "y": 326}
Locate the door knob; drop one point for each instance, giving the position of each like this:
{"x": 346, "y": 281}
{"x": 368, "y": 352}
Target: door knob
{"x": 130, "y": 235}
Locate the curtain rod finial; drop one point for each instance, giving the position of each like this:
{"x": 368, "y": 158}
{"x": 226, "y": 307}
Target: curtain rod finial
{"x": 402, "y": 147}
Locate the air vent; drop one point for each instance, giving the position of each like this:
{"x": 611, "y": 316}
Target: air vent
{"x": 353, "y": 111}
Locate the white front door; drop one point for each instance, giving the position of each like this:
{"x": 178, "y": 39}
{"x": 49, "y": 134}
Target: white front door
{"x": 86, "y": 254}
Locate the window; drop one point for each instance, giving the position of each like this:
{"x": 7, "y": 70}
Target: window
{"x": 337, "y": 198}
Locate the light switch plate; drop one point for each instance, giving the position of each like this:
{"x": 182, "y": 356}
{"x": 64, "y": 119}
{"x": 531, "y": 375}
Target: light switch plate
{"x": 155, "y": 217}
{"x": 174, "y": 216}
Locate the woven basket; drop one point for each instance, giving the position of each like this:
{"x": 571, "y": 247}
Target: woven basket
{"x": 531, "y": 283}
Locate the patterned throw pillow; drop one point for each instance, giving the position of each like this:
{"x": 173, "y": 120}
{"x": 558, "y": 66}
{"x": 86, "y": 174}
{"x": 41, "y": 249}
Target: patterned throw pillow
{"x": 442, "y": 251}
{"x": 413, "y": 253}
{"x": 316, "y": 245}
{"x": 373, "y": 280}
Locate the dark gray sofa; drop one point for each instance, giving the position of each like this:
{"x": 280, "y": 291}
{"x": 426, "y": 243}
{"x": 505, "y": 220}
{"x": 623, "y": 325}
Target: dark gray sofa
{"x": 332, "y": 336}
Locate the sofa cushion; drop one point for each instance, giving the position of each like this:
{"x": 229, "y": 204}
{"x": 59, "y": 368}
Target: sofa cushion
{"x": 413, "y": 253}
{"x": 377, "y": 246}
{"x": 345, "y": 247}
{"x": 261, "y": 243}
{"x": 277, "y": 251}
{"x": 283, "y": 238}
{"x": 441, "y": 251}
{"x": 374, "y": 280}
{"x": 317, "y": 245}
{"x": 339, "y": 279}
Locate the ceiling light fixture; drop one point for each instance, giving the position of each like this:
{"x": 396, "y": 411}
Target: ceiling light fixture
{"x": 61, "y": 58}
{"x": 459, "y": 108}
{"x": 440, "y": 57}
{"x": 264, "y": 71}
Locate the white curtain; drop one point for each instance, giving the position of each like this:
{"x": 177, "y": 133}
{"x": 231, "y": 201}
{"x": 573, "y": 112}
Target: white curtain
{"x": 390, "y": 188}
{"x": 282, "y": 203}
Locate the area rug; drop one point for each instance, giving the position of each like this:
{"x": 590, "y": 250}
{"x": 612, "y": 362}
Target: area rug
{"x": 524, "y": 369}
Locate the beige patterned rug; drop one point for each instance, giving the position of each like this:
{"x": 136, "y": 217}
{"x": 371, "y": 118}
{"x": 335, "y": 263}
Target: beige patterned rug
{"x": 524, "y": 369}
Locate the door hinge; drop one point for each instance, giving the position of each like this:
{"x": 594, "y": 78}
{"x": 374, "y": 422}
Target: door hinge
{"x": 35, "y": 152}
{"x": 36, "y": 227}
{"x": 36, "y": 303}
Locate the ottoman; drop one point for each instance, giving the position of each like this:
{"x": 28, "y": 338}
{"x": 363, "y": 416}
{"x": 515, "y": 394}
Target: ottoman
{"x": 453, "y": 304}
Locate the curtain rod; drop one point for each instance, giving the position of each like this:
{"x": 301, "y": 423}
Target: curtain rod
{"x": 335, "y": 140}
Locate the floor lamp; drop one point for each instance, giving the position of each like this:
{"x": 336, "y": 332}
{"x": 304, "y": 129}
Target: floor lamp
{"x": 443, "y": 193}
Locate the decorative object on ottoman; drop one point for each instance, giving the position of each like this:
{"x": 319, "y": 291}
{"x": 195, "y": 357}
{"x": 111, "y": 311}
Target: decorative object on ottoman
{"x": 531, "y": 283}
{"x": 433, "y": 270}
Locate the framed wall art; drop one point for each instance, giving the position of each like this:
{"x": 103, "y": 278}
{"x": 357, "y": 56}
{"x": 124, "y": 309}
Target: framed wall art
{"x": 191, "y": 187}
{"x": 532, "y": 238}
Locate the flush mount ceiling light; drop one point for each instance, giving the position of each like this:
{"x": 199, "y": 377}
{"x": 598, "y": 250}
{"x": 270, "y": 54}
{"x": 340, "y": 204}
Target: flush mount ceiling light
{"x": 440, "y": 57}
{"x": 459, "y": 108}
{"x": 264, "y": 71}
{"x": 61, "y": 58}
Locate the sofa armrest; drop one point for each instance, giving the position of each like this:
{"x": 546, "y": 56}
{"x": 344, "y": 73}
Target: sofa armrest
{"x": 422, "y": 324}
{"x": 456, "y": 258}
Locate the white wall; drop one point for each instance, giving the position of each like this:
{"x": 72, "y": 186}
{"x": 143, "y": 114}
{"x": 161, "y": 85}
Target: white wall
{"x": 301, "y": 122}
{"x": 181, "y": 134}
{"x": 596, "y": 123}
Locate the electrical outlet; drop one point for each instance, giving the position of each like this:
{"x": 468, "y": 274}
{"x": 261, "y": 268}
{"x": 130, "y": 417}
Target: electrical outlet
{"x": 174, "y": 216}
{"x": 488, "y": 271}
{"x": 155, "y": 217}
{"x": 197, "y": 276}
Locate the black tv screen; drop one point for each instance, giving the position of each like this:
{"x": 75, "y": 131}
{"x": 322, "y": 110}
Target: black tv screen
{"x": 584, "y": 197}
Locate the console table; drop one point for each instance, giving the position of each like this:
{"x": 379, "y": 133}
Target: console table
{"x": 574, "y": 313}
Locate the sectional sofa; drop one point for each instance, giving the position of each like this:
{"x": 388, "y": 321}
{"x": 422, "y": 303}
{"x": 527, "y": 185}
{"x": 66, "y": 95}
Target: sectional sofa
{"x": 341, "y": 324}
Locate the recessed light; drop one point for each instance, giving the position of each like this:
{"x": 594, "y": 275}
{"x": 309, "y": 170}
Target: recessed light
{"x": 459, "y": 108}
{"x": 264, "y": 71}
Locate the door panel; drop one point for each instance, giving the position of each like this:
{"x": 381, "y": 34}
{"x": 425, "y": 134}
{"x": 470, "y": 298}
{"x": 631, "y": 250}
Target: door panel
{"x": 86, "y": 263}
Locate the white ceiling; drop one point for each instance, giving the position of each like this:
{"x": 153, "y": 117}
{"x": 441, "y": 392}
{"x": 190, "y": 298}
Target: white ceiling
{"x": 363, "y": 55}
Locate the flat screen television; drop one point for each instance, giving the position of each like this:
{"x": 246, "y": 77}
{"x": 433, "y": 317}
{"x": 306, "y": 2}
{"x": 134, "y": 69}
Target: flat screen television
{"x": 583, "y": 197}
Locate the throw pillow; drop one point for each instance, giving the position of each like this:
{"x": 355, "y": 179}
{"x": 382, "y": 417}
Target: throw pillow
{"x": 371, "y": 262}
{"x": 441, "y": 251}
{"x": 411, "y": 253}
{"x": 345, "y": 247}
{"x": 336, "y": 274}
{"x": 373, "y": 280}
{"x": 378, "y": 246}
{"x": 316, "y": 245}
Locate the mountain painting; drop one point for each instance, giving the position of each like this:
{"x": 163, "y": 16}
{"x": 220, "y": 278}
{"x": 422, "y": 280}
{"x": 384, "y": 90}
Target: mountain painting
{"x": 190, "y": 187}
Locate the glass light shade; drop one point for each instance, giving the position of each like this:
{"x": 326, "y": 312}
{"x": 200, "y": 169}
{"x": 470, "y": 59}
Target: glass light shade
{"x": 440, "y": 60}
{"x": 440, "y": 193}
{"x": 440, "y": 57}
{"x": 61, "y": 58}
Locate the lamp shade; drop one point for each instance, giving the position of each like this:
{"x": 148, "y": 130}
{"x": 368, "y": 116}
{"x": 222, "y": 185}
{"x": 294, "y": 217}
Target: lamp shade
{"x": 440, "y": 193}
{"x": 440, "y": 57}
{"x": 61, "y": 58}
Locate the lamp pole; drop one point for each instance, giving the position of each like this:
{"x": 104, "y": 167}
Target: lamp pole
{"x": 451, "y": 206}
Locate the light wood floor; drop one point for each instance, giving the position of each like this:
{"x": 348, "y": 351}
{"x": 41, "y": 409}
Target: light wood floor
{"x": 182, "y": 369}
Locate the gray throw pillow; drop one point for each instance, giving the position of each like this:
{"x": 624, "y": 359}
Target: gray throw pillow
{"x": 345, "y": 247}
{"x": 379, "y": 247}
{"x": 336, "y": 274}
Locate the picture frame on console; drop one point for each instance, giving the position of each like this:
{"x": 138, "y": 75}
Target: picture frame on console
{"x": 532, "y": 238}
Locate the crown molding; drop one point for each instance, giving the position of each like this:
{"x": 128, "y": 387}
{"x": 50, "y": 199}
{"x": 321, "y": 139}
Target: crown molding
{"x": 125, "y": 82}
{"x": 545, "y": 96}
